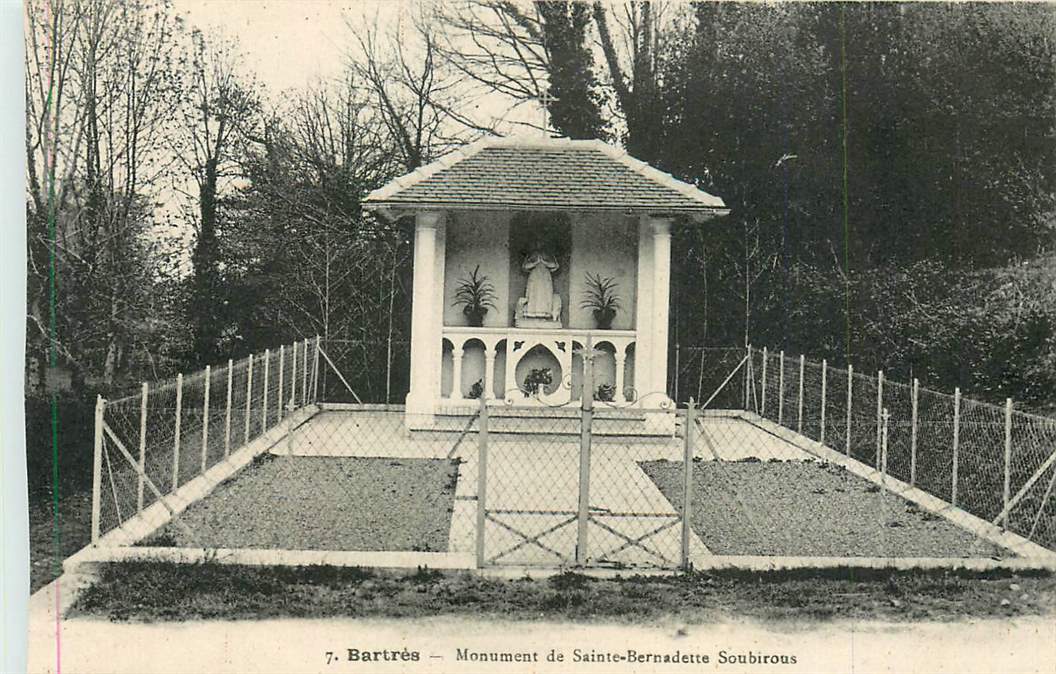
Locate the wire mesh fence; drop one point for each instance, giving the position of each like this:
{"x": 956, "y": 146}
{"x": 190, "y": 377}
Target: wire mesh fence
{"x": 277, "y": 451}
{"x": 994, "y": 462}
{"x": 152, "y": 444}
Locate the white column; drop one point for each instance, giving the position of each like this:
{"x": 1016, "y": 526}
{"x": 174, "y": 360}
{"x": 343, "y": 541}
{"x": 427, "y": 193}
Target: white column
{"x": 456, "y": 372}
{"x": 621, "y": 360}
{"x": 661, "y": 232}
{"x": 489, "y": 371}
{"x": 426, "y": 347}
{"x": 661, "y": 299}
{"x": 438, "y": 299}
{"x": 643, "y": 323}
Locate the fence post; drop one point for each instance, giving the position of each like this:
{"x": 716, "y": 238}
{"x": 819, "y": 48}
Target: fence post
{"x": 883, "y": 451}
{"x": 97, "y": 467}
{"x": 304, "y": 374}
{"x": 747, "y": 375}
{"x": 142, "y": 447}
{"x": 278, "y": 390}
{"x": 678, "y": 350}
{"x": 315, "y": 369}
{"x": 482, "y": 480}
{"x": 802, "y": 370}
{"x": 249, "y": 396}
{"x": 762, "y": 402}
{"x": 956, "y": 442}
{"x": 176, "y": 433}
{"x": 913, "y": 433}
{"x": 781, "y": 390}
{"x": 264, "y": 403}
{"x": 687, "y": 481}
{"x": 748, "y": 367}
{"x": 293, "y": 378}
{"x": 227, "y": 414}
{"x": 1008, "y": 462}
{"x": 205, "y": 417}
{"x": 879, "y": 412}
{"x": 850, "y": 404}
{"x": 586, "y": 424}
{"x": 824, "y": 397}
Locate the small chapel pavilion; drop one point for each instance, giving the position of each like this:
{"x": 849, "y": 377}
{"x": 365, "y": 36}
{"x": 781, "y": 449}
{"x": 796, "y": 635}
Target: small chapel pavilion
{"x": 525, "y": 251}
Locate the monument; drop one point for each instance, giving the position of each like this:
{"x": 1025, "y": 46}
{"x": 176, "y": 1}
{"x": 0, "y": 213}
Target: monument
{"x": 538, "y": 220}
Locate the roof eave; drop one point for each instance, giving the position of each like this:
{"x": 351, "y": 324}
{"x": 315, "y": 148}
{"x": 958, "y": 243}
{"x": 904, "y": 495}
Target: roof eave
{"x": 393, "y": 210}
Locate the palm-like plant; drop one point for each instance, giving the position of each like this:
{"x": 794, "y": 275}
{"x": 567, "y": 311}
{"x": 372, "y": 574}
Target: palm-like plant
{"x": 600, "y": 296}
{"x": 475, "y": 294}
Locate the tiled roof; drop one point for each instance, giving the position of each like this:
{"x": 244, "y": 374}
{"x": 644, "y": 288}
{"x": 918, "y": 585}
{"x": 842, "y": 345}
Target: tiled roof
{"x": 543, "y": 174}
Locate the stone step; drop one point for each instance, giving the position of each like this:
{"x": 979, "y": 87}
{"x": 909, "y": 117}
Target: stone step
{"x": 517, "y": 425}
{"x": 563, "y": 412}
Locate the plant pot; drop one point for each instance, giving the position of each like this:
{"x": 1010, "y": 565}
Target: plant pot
{"x": 475, "y": 317}
{"x": 603, "y": 318}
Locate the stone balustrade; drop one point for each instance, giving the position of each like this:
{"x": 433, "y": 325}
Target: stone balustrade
{"x": 502, "y": 350}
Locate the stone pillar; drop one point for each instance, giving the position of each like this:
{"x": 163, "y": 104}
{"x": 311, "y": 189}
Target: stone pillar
{"x": 661, "y": 231}
{"x": 643, "y": 322}
{"x": 456, "y": 372}
{"x": 621, "y": 360}
{"x": 426, "y": 345}
{"x": 489, "y": 371}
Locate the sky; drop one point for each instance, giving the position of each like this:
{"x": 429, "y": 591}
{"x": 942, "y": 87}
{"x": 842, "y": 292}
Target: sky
{"x": 289, "y": 44}
{"x": 286, "y": 43}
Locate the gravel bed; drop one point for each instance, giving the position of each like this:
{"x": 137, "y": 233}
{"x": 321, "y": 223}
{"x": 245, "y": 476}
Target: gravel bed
{"x": 325, "y": 503}
{"x": 807, "y": 508}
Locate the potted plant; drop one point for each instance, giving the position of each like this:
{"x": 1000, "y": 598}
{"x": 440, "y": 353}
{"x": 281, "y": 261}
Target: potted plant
{"x": 601, "y": 298}
{"x": 606, "y": 393}
{"x": 476, "y": 390}
{"x": 536, "y": 380}
{"x": 475, "y": 294}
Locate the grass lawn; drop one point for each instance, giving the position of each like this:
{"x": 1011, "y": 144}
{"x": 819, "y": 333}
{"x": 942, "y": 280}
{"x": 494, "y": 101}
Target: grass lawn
{"x": 49, "y": 544}
{"x": 156, "y": 591}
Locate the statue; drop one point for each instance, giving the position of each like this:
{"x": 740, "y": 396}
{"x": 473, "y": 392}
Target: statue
{"x": 541, "y": 306}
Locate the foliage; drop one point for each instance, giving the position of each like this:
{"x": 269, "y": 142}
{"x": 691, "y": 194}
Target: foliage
{"x": 536, "y": 381}
{"x": 877, "y": 157}
{"x": 476, "y": 390}
{"x": 99, "y": 90}
{"x": 600, "y": 293}
{"x": 524, "y": 52}
{"x": 300, "y": 255}
{"x": 475, "y": 293}
{"x": 991, "y": 333}
{"x": 606, "y": 393}
{"x": 220, "y": 112}
{"x": 942, "y": 118}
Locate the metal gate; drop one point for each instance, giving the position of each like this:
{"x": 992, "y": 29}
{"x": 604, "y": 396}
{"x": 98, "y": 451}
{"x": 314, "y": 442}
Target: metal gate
{"x": 553, "y": 497}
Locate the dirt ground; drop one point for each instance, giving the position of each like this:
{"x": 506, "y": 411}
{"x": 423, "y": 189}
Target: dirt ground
{"x": 324, "y": 503}
{"x": 807, "y": 508}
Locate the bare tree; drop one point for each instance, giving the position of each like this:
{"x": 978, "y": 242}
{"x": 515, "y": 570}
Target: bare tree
{"x": 221, "y": 109}
{"x": 426, "y": 107}
{"x": 98, "y": 92}
{"x": 302, "y": 245}
{"x": 529, "y": 52}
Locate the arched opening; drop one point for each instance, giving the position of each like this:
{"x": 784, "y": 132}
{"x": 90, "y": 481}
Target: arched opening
{"x": 538, "y": 367}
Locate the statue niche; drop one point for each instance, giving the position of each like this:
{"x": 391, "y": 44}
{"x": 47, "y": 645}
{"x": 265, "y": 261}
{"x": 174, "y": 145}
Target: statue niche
{"x": 541, "y": 306}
